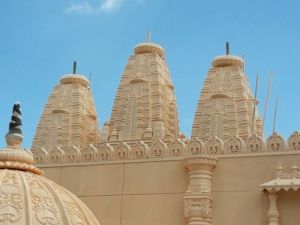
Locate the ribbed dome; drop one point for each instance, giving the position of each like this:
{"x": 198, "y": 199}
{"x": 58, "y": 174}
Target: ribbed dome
{"x": 26, "y": 197}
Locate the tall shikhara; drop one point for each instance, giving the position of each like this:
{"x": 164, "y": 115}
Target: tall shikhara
{"x": 69, "y": 118}
{"x": 226, "y": 104}
{"x": 145, "y": 104}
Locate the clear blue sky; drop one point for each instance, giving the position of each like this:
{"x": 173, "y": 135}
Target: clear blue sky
{"x": 39, "y": 40}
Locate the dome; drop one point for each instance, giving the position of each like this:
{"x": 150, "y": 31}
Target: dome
{"x": 73, "y": 79}
{"x": 27, "y": 197}
{"x": 227, "y": 60}
{"x": 149, "y": 48}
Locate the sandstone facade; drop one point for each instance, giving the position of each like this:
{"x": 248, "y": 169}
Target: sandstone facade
{"x": 142, "y": 171}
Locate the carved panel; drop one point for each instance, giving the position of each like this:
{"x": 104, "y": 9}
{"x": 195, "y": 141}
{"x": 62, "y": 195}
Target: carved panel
{"x": 198, "y": 207}
{"x": 177, "y": 148}
{"x": 122, "y": 151}
{"x": 106, "y": 152}
{"x": 11, "y": 199}
{"x": 158, "y": 149}
{"x": 294, "y": 141}
{"x": 41, "y": 155}
{"x": 255, "y": 144}
{"x": 139, "y": 151}
{"x": 89, "y": 153}
{"x": 73, "y": 154}
{"x": 214, "y": 146}
{"x": 56, "y": 155}
{"x": 234, "y": 145}
{"x": 195, "y": 146}
{"x": 275, "y": 143}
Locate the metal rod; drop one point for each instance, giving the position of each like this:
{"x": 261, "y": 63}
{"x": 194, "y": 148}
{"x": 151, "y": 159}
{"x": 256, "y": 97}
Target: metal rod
{"x": 267, "y": 100}
{"x": 74, "y": 67}
{"x": 275, "y": 116}
{"x": 254, "y": 107}
{"x": 149, "y": 37}
{"x": 227, "y": 48}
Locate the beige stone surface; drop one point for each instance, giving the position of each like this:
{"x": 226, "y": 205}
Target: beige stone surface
{"x": 240, "y": 207}
{"x": 106, "y": 208}
{"x": 54, "y": 174}
{"x": 163, "y": 209}
{"x": 93, "y": 180}
{"x": 155, "y": 177}
{"x": 289, "y": 207}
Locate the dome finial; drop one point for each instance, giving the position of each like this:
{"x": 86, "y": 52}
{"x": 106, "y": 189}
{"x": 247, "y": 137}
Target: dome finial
{"x": 74, "y": 67}
{"x": 227, "y": 48}
{"x": 149, "y": 37}
{"x": 14, "y": 136}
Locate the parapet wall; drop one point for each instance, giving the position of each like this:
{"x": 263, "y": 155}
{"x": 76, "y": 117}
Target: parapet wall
{"x": 159, "y": 149}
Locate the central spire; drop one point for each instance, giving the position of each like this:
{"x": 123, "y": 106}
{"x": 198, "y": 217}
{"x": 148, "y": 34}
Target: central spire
{"x": 145, "y": 104}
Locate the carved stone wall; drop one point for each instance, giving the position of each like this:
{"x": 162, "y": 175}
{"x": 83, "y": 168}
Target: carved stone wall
{"x": 160, "y": 149}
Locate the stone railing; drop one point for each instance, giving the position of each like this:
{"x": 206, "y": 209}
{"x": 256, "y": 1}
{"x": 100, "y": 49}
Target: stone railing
{"x": 157, "y": 149}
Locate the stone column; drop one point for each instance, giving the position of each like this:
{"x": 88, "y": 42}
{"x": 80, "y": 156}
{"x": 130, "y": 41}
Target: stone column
{"x": 273, "y": 214}
{"x": 198, "y": 197}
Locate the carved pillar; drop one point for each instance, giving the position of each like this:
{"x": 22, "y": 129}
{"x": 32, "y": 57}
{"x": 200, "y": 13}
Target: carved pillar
{"x": 273, "y": 214}
{"x": 198, "y": 197}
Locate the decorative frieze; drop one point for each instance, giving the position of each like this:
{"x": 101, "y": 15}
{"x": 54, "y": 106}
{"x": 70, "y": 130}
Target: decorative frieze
{"x": 160, "y": 149}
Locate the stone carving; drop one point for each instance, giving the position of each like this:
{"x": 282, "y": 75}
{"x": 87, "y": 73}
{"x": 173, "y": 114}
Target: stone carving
{"x": 225, "y": 102}
{"x": 195, "y": 146}
{"x": 294, "y": 141}
{"x": 197, "y": 199}
{"x": 176, "y": 148}
{"x": 69, "y": 117}
{"x": 122, "y": 151}
{"x": 140, "y": 150}
{"x": 275, "y": 143}
{"x": 234, "y": 145}
{"x": 214, "y": 146}
{"x": 89, "y": 153}
{"x": 73, "y": 154}
{"x": 11, "y": 199}
{"x": 41, "y": 155}
{"x": 106, "y": 152}
{"x": 145, "y": 98}
{"x": 158, "y": 149}
{"x": 255, "y": 144}
{"x": 56, "y": 155}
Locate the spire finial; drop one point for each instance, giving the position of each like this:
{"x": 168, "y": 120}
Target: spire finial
{"x": 149, "y": 37}
{"x": 74, "y": 67}
{"x": 227, "y": 48}
{"x": 14, "y": 135}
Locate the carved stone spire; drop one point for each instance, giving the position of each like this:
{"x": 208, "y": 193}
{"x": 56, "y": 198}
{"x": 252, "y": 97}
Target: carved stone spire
{"x": 14, "y": 135}
{"x": 226, "y": 104}
{"x": 14, "y": 156}
{"x": 69, "y": 117}
{"x": 145, "y": 98}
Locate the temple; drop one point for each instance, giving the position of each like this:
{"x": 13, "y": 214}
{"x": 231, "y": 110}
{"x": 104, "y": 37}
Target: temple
{"x": 140, "y": 169}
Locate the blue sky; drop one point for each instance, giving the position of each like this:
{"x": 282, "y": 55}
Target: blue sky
{"x": 39, "y": 40}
